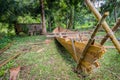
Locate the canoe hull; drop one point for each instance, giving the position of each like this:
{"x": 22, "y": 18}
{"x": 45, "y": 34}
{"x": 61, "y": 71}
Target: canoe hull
{"x": 94, "y": 52}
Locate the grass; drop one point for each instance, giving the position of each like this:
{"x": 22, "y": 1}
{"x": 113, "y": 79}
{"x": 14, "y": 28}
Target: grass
{"x": 49, "y": 64}
{"x": 52, "y": 62}
{"x": 4, "y": 41}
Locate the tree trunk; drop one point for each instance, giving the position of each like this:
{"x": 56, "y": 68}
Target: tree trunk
{"x": 43, "y": 17}
{"x": 70, "y": 24}
{"x": 49, "y": 23}
{"x": 73, "y": 17}
{"x": 115, "y": 11}
{"x": 67, "y": 21}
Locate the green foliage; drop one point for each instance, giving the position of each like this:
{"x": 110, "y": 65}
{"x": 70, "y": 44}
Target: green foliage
{"x": 28, "y": 19}
{"x": 4, "y": 41}
{"x": 5, "y": 68}
{"x": 11, "y": 9}
{"x": 113, "y": 7}
{"x": 57, "y": 12}
{"x": 25, "y": 29}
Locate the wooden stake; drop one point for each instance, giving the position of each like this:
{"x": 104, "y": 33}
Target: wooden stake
{"x": 104, "y": 25}
{"x": 73, "y": 46}
{"x": 113, "y": 29}
{"x": 91, "y": 39}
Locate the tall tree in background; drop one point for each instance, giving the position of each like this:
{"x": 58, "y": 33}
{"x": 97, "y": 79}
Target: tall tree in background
{"x": 72, "y": 7}
{"x": 113, "y": 7}
{"x": 115, "y": 10}
{"x": 43, "y": 17}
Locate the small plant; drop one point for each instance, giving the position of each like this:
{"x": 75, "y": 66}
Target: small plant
{"x": 6, "y": 67}
{"x": 25, "y": 28}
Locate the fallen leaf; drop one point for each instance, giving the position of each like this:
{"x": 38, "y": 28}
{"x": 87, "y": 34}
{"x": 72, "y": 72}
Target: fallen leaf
{"x": 14, "y": 72}
{"x": 40, "y": 50}
{"x": 47, "y": 41}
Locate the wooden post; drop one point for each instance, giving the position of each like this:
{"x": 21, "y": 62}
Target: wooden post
{"x": 91, "y": 39}
{"x": 104, "y": 25}
{"x": 113, "y": 29}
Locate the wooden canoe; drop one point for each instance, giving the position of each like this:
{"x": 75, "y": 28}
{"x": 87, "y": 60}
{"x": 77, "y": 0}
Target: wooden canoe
{"x": 93, "y": 54}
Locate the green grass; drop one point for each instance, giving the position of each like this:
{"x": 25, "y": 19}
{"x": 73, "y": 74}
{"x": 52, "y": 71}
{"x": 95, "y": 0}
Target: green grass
{"x": 52, "y": 62}
{"x": 4, "y": 41}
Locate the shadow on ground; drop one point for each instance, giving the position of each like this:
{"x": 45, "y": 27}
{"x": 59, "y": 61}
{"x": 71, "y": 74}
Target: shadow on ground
{"x": 65, "y": 54}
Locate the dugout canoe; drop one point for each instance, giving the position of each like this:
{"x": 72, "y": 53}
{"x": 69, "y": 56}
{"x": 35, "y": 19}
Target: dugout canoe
{"x": 75, "y": 46}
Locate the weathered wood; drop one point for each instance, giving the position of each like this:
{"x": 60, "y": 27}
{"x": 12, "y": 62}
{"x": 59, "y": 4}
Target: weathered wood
{"x": 113, "y": 29}
{"x": 104, "y": 25}
{"x": 66, "y": 34}
{"x": 72, "y": 32}
{"x": 5, "y": 48}
{"x": 8, "y": 60}
{"x": 84, "y": 52}
{"x": 95, "y": 51}
{"x": 74, "y": 49}
{"x": 32, "y": 28}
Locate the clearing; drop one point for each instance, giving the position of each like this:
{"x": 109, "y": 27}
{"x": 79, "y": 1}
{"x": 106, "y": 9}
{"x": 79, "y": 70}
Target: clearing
{"x": 45, "y": 59}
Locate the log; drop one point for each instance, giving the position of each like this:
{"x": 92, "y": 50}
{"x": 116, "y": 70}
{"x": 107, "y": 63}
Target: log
{"x": 104, "y": 25}
{"x": 8, "y": 60}
{"x": 113, "y": 29}
{"x": 91, "y": 39}
{"x": 50, "y": 35}
{"x": 6, "y": 47}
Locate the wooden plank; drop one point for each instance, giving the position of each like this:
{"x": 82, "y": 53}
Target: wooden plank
{"x": 104, "y": 25}
{"x": 6, "y": 47}
{"x": 91, "y": 40}
{"x": 113, "y": 29}
{"x": 8, "y": 60}
{"x": 64, "y": 34}
{"x": 69, "y": 33}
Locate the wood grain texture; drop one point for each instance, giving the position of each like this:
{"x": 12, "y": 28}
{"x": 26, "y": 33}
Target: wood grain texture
{"x": 93, "y": 53}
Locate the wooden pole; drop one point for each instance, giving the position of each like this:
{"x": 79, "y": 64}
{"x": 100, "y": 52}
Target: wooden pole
{"x": 6, "y": 47}
{"x": 104, "y": 25}
{"x": 91, "y": 39}
{"x": 8, "y": 60}
{"x": 113, "y": 29}
{"x": 73, "y": 46}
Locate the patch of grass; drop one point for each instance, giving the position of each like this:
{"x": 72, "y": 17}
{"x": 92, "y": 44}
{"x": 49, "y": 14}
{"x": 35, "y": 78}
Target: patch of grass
{"x": 51, "y": 64}
{"x": 4, "y": 41}
{"x": 5, "y": 68}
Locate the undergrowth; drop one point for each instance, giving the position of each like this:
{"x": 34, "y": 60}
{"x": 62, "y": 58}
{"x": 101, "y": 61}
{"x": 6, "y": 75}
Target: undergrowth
{"x": 4, "y": 41}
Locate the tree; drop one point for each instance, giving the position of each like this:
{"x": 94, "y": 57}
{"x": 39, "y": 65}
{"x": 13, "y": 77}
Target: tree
{"x": 43, "y": 17}
{"x": 113, "y": 7}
